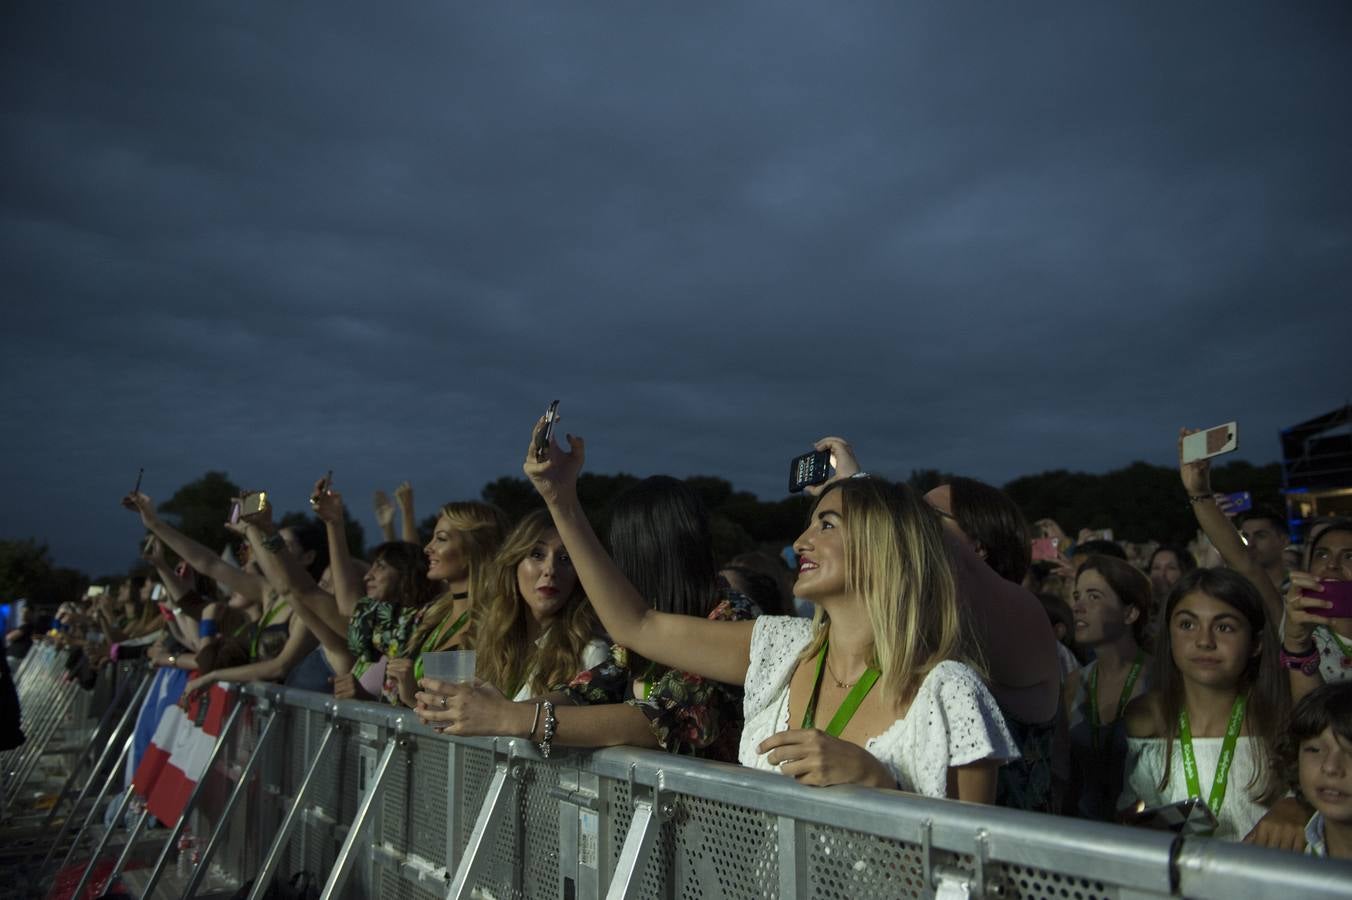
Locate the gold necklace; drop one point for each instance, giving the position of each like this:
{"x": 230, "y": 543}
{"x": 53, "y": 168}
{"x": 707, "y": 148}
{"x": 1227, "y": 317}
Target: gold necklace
{"x": 839, "y": 683}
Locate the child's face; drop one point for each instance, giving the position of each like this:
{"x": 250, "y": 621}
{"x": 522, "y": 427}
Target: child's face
{"x": 1326, "y": 775}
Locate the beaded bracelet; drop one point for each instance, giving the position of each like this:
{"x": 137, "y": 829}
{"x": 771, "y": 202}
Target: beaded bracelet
{"x": 550, "y": 725}
{"x": 1306, "y": 663}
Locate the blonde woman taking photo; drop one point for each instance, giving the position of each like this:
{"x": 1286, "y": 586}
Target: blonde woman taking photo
{"x": 874, "y": 690}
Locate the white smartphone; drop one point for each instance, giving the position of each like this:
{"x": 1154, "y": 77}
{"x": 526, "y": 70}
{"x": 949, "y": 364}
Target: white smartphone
{"x": 1211, "y": 442}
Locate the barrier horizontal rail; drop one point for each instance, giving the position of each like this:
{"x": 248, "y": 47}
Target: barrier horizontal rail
{"x": 393, "y": 809}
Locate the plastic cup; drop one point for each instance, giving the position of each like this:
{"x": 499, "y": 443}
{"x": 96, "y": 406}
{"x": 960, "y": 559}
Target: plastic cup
{"x": 449, "y": 665}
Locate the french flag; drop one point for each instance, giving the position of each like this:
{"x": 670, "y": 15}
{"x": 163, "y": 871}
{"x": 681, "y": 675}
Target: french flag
{"x": 177, "y": 757}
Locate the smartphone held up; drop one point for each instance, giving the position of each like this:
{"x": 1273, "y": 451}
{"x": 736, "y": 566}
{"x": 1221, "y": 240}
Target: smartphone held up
{"x": 546, "y": 434}
{"x": 1211, "y": 442}
{"x": 812, "y": 468}
{"x": 1339, "y": 593}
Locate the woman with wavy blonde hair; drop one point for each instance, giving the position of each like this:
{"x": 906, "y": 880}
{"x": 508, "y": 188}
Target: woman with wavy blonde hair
{"x": 538, "y": 630}
{"x": 873, "y": 560}
{"x": 460, "y": 555}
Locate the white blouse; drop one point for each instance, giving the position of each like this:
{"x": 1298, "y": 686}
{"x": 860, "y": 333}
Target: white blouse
{"x": 593, "y": 654}
{"x": 952, "y": 721}
{"x": 1145, "y": 764}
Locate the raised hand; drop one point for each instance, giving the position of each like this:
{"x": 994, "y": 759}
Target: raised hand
{"x": 1303, "y": 614}
{"x": 1196, "y": 475}
{"x": 140, "y": 503}
{"x": 846, "y": 464}
{"x": 327, "y": 503}
{"x": 403, "y": 495}
{"x": 384, "y": 510}
{"x": 554, "y": 477}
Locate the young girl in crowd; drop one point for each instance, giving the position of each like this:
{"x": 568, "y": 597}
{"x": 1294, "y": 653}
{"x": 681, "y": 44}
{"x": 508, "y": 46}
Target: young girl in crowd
{"x": 1316, "y": 751}
{"x": 538, "y": 631}
{"x": 1110, "y": 609}
{"x": 874, "y": 562}
{"x": 1206, "y": 728}
{"x": 661, "y": 541}
{"x": 1316, "y": 647}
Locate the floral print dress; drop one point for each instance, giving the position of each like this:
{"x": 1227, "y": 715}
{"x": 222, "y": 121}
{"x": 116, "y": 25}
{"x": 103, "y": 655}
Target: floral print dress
{"x": 379, "y": 630}
{"x": 688, "y": 713}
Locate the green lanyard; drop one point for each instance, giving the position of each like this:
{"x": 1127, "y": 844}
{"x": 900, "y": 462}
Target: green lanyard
{"x": 1218, "y": 785}
{"x": 263, "y": 623}
{"x": 1094, "y": 722}
{"x": 434, "y": 640}
{"x": 848, "y": 706}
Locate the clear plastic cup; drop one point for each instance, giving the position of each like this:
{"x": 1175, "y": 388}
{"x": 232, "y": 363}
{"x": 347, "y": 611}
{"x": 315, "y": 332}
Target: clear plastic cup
{"x": 449, "y": 665}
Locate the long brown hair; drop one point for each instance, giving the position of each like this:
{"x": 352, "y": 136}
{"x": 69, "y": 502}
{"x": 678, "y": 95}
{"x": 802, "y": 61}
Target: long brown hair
{"x": 480, "y": 528}
{"x": 1263, "y": 678}
{"x": 505, "y": 655}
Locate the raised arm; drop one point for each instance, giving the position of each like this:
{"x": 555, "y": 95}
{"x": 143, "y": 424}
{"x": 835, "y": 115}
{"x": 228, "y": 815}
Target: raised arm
{"x": 384, "y": 508}
{"x": 408, "y": 522}
{"x": 194, "y": 554}
{"x": 299, "y": 642}
{"x": 184, "y": 619}
{"x": 717, "y": 650}
{"x": 1221, "y": 532}
{"x": 316, "y": 607}
{"x": 328, "y": 505}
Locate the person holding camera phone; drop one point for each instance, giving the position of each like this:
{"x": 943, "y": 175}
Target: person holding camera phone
{"x": 280, "y": 641}
{"x": 1010, "y": 628}
{"x": 1316, "y": 636}
{"x": 810, "y": 707}
{"x": 378, "y": 610}
{"x": 662, "y": 542}
{"x": 1234, "y": 550}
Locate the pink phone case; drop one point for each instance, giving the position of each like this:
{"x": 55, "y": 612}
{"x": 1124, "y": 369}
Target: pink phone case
{"x": 1339, "y": 593}
{"x": 1044, "y": 549}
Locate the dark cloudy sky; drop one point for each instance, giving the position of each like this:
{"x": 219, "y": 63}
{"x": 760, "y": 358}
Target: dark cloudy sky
{"x": 275, "y": 238}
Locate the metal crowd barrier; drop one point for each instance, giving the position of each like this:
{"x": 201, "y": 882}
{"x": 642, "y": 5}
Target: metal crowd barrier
{"x": 47, "y": 702}
{"x": 372, "y": 804}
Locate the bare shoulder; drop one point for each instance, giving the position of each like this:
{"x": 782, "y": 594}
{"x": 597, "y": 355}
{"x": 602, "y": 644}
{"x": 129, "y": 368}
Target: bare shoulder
{"x": 1144, "y": 716}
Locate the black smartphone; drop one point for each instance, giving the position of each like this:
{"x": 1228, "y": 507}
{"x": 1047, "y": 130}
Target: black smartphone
{"x": 139, "y": 473}
{"x": 547, "y": 433}
{"x": 810, "y": 468}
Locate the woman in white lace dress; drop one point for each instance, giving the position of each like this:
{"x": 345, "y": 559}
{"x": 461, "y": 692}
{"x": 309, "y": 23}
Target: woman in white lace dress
{"x": 875, "y": 690}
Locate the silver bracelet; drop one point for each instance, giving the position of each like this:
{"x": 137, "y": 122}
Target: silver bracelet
{"x": 550, "y": 725}
{"x": 534, "y": 723}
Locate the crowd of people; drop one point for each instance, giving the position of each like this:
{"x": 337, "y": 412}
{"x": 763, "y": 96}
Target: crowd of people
{"x": 949, "y": 649}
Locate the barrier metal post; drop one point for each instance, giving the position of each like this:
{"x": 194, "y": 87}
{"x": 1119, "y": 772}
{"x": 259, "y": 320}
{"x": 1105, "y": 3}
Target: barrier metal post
{"x": 490, "y": 815}
{"x": 103, "y": 844}
{"x": 274, "y": 855}
{"x": 200, "y": 870}
{"x": 343, "y": 864}
{"x": 643, "y": 830}
{"x": 98, "y": 802}
{"x": 177, "y": 831}
{"x": 129, "y": 715}
{"x": 53, "y": 725}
